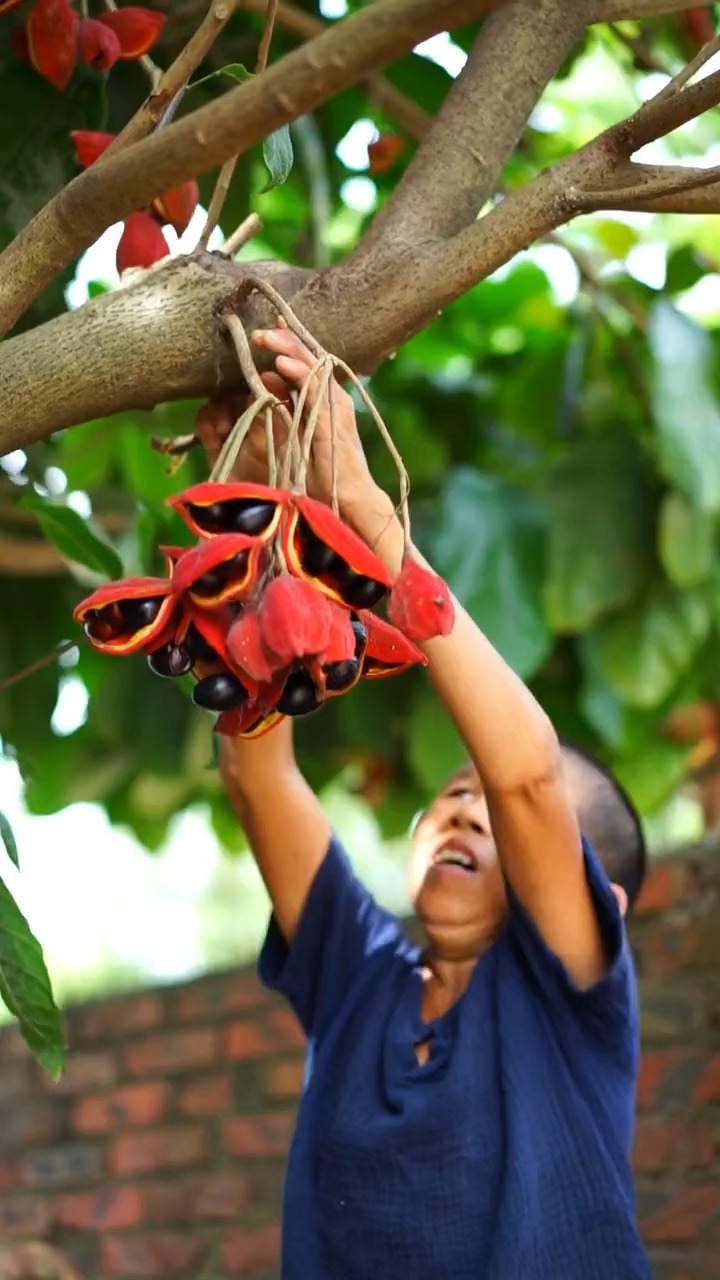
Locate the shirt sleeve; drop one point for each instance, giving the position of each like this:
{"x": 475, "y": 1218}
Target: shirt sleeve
{"x": 340, "y": 929}
{"x": 608, "y": 1010}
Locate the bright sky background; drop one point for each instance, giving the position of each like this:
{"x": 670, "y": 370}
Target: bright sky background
{"x": 92, "y": 894}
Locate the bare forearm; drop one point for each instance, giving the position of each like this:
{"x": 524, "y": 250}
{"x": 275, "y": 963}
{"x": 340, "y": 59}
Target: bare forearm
{"x": 507, "y": 734}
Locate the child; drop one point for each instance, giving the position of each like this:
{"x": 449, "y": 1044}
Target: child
{"x": 468, "y": 1108}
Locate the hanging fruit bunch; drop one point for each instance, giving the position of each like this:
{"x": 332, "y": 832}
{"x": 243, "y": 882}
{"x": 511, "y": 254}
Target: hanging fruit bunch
{"x": 272, "y": 610}
{"x": 55, "y": 38}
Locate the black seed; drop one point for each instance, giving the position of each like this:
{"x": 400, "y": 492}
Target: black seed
{"x": 199, "y": 648}
{"x": 318, "y": 559}
{"x": 101, "y": 629}
{"x": 219, "y": 693}
{"x": 298, "y": 697}
{"x": 213, "y": 516}
{"x": 359, "y": 591}
{"x": 140, "y": 613}
{"x": 171, "y": 661}
{"x": 340, "y": 675}
{"x": 248, "y": 515}
{"x": 360, "y": 633}
{"x": 215, "y": 579}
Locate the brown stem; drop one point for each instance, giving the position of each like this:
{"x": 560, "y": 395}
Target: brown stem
{"x": 619, "y": 10}
{"x": 249, "y": 227}
{"x": 341, "y": 56}
{"x": 38, "y": 665}
{"x": 702, "y": 56}
{"x": 406, "y": 113}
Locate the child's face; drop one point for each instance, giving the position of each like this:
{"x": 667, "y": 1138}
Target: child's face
{"x": 455, "y": 880}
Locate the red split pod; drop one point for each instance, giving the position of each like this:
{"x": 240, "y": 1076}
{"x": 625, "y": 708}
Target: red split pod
{"x": 340, "y": 666}
{"x": 247, "y": 722}
{"x": 99, "y": 46}
{"x": 420, "y": 603}
{"x": 141, "y": 244}
{"x": 294, "y": 619}
{"x": 124, "y": 617}
{"x": 320, "y": 548}
{"x": 388, "y": 652}
{"x": 90, "y": 145}
{"x": 52, "y": 31}
{"x": 211, "y": 508}
{"x": 177, "y": 207}
{"x": 136, "y": 29}
{"x": 222, "y": 569}
{"x": 246, "y": 649}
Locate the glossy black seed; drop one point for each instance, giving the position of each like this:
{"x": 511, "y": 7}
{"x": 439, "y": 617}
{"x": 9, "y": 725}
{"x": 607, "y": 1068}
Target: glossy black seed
{"x": 102, "y": 629}
{"x": 360, "y": 633}
{"x": 215, "y": 579}
{"x": 171, "y": 661}
{"x": 318, "y": 559}
{"x": 340, "y": 675}
{"x": 359, "y": 591}
{"x": 199, "y": 648}
{"x": 219, "y": 693}
{"x": 249, "y": 515}
{"x": 212, "y": 517}
{"x": 140, "y": 613}
{"x": 298, "y": 697}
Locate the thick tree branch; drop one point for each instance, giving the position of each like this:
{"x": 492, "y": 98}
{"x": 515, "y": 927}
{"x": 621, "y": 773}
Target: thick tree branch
{"x": 406, "y": 114}
{"x": 617, "y": 10}
{"x": 517, "y": 51}
{"x": 346, "y": 53}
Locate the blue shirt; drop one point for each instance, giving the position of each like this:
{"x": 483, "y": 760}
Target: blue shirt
{"x": 504, "y": 1157}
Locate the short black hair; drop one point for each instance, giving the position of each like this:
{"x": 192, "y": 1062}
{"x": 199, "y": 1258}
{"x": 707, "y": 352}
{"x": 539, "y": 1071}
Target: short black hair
{"x": 607, "y": 818}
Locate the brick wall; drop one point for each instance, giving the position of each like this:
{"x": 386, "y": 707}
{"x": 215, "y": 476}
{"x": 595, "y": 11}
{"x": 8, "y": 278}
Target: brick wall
{"x": 161, "y": 1151}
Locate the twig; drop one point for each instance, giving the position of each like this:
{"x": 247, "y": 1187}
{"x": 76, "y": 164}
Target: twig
{"x": 249, "y": 227}
{"x": 38, "y": 665}
{"x": 270, "y": 447}
{"x": 678, "y": 81}
{"x": 174, "y": 445}
{"x": 222, "y": 186}
{"x": 172, "y": 83}
{"x": 311, "y": 424}
{"x": 231, "y": 449}
{"x": 151, "y": 69}
{"x": 406, "y": 113}
{"x": 597, "y": 286}
{"x": 244, "y": 355}
{"x": 640, "y": 50}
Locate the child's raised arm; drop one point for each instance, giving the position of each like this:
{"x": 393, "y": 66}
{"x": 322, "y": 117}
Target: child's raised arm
{"x": 508, "y": 736}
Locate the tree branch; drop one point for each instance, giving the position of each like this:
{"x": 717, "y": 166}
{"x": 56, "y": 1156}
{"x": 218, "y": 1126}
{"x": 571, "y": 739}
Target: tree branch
{"x": 341, "y": 56}
{"x": 617, "y": 10}
{"x": 407, "y": 114}
{"x": 517, "y": 51}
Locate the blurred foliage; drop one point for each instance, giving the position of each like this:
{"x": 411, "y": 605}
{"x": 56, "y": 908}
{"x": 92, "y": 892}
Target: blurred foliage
{"x": 561, "y": 425}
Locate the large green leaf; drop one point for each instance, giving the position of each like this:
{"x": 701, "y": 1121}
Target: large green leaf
{"x": 74, "y": 538}
{"x": 686, "y": 541}
{"x": 601, "y": 532}
{"x": 644, "y": 650}
{"x": 685, "y": 405}
{"x": 25, "y": 986}
{"x": 7, "y": 836}
{"x": 277, "y": 151}
{"x": 489, "y": 544}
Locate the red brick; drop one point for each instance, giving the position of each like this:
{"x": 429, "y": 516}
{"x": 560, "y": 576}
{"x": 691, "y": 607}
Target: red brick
{"x": 693, "y": 1214}
{"x": 172, "y": 1051}
{"x": 207, "y": 1094}
{"x": 29, "y": 1122}
{"x": 24, "y": 1216}
{"x": 259, "y": 1135}
{"x": 114, "y": 1018}
{"x": 15, "y": 1081}
{"x": 104, "y": 1210}
{"x": 159, "y": 1254}
{"x": 283, "y": 1030}
{"x": 241, "y": 1040}
{"x": 247, "y": 1251}
{"x": 708, "y": 1087}
{"x": 210, "y": 999}
{"x": 158, "y": 1149}
{"x": 284, "y": 1078}
{"x": 11, "y": 1175}
{"x": 12, "y": 1046}
{"x": 67, "y": 1166}
{"x": 667, "y": 1075}
{"x": 85, "y": 1071}
{"x": 132, "y": 1104}
{"x": 206, "y": 1197}
{"x": 678, "y": 1144}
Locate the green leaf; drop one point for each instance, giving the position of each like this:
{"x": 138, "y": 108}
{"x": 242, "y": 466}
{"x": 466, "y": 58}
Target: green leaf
{"x": 684, "y": 269}
{"x": 435, "y": 748}
{"x": 74, "y": 538}
{"x": 489, "y": 545}
{"x": 601, "y": 532}
{"x": 652, "y": 776}
{"x": 616, "y": 237}
{"x": 25, "y": 986}
{"x": 685, "y": 406}
{"x": 278, "y": 156}
{"x": 8, "y": 838}
{"x": 236, "y": 71}
{"x": 646, "y": 649}
{"x": 686, "y": 540}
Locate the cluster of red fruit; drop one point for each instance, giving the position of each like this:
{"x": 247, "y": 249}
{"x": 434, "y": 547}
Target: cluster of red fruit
{"x": 54, "y": 38}
{"x": 270, "y": 611}
{"x": 142, "y": 242}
